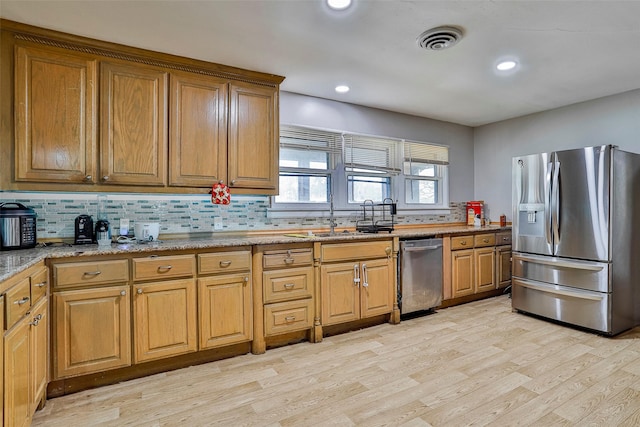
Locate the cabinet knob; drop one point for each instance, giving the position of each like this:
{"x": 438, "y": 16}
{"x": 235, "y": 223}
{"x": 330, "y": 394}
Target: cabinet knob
{"x": 246, "y": 280}
{"x": 88, "y": 178}
{"x": 105, "y": 178}
{"x": 35, "y": 322}
{"x": 233, "y": 182}
{"x": 123, "y": 293}
{"x": 139, "y": 291}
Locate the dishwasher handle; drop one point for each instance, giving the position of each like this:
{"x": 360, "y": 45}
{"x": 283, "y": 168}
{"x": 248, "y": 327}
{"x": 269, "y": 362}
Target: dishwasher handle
{"x": 421, "y": 248}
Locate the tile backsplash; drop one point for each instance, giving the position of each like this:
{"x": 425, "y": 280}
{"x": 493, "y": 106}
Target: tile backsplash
{"x": 179, "y": 214}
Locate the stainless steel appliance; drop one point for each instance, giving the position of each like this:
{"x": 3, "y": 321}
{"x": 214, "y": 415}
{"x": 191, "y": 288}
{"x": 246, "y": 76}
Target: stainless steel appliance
{"x": 576, "y": 239}
{"x": 17, "y": 226}
{"x": 420, "y": 275}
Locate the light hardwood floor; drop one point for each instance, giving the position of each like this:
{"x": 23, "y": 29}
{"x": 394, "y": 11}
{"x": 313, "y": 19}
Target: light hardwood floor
{"x": 474, "y": 364}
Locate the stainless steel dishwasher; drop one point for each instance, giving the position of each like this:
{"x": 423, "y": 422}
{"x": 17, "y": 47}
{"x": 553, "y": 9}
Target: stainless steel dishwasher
{"x": 420, "y": 275}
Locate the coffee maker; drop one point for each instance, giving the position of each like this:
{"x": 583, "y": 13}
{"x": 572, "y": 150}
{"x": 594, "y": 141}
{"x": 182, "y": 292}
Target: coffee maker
{"x": 103, "y": 232}
{"x": 83, "y": 230}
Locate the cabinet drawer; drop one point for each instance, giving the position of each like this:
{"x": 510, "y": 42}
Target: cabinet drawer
{"x": 288, "y": 258}
{"x": 481, "y": 240}
{"x": 90, "y": 273}
{"x": 18, "y": 301}
{"x": 39, "y": 284}
{"x": 161, "y": 267}
{"x": 461, "y": 242}
{"x": 288, "y": 316}
{"x": 503, "y": 238}
{"x": 360, "y": 250}
{"x": 289, "y": 284}
{"x": 224, "y": 262}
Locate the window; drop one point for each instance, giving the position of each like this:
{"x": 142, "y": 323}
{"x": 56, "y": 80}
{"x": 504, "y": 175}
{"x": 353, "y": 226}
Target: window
{"x": 307, "y": 158}
{"x": 316, "y": 164}
{"x": 369, "y": 164}
{"x": 424, "y": 171}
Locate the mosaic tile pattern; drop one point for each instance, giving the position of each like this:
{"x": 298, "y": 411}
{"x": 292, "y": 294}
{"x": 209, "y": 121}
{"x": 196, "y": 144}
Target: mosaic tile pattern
{"x": 191, "y": 214}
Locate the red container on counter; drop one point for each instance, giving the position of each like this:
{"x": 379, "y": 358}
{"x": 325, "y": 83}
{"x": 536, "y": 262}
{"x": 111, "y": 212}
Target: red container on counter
{"x": 475, "y": 208}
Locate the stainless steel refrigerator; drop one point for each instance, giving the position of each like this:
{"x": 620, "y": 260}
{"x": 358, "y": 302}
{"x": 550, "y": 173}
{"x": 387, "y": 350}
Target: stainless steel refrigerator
{"x": 576, "y": 237}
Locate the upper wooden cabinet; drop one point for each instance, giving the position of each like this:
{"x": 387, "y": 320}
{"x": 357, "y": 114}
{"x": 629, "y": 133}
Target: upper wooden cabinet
{"x": 55, "y": 115}
{"x": 198, "y": 130}
{"x": 167, "y": 124}
{"x": 253, "y": 137}
{"x": 133, "y": 124}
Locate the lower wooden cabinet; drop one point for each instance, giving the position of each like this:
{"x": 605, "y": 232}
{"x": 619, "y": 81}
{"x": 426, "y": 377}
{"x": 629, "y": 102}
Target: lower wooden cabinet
{"x": 356, "y": 289}
{"x": 225, "y": 310}
{"x": 25, "y": 348}
{"x": 92, "y": 330}
{"x": 17, "y": 405}
{"x": 164, "y": 319}
{"x": 473, "y": 264}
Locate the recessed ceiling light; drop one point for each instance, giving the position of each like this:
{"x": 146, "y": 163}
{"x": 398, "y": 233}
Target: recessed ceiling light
{"x": 339, "y": 4}
{"x": 506, "y": 65}
{"x": 342, "y": 88}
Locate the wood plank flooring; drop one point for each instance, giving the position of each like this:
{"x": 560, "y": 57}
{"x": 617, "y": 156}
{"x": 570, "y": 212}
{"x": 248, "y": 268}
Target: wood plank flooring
{"x": 475, "y": 364}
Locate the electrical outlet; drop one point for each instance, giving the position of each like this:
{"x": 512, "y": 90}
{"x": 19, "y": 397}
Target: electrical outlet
{"x": 217, "y": 223}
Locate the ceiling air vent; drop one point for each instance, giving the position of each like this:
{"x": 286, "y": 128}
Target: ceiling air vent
{"x": 439, "y": 38}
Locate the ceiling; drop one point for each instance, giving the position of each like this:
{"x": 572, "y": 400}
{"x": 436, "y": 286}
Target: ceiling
{"x": 568, "y": 51}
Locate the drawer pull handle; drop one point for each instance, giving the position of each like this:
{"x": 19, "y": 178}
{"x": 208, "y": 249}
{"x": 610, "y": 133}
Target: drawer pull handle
{"x": 165, "y": 267}
{"x": 22, "y": 301}
{"x": 485, "y": 240}
{"x": 35, "y": 322}
{"x": 505, "y": 239}
{"x": 38, "y": 317}
{"x": 463, "y": 243}
{"x": 225, "y": 263}
{"x": 289, "y": 285}
{"x": 289, "y": 260}
{"x": 92, "y": 273}
{"x": 41, "y": 284}
{"x": 290, "y": 319}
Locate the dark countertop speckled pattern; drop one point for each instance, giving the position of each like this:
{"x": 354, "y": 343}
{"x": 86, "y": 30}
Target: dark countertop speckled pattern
{"x": 13, "y": 262}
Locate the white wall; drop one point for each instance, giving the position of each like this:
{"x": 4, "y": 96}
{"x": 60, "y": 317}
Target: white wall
{"x": 610, "y": 120}
{"x": 296, "y": 109}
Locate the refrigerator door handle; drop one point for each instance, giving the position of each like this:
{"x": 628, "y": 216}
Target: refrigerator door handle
{"x": 553, "y": 290}
{"x": 555, "y": 262}
{"x": 555, "y": 203}
{"x": 547, "y": 203}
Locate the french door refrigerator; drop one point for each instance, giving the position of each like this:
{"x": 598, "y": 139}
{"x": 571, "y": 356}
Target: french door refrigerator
{"x": 576, "y": 237}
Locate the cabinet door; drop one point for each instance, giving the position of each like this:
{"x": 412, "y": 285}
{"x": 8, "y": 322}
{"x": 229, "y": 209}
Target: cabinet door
{"x": 377, "y": 287}
{"x": 253, "y": 137}
{"x": 92, "y": 330}
{"x": 39, "y": 352}
{"x": 55, "y": 109}
{"x": 340, "y": 292}
{"x": 485, "y": 263}
{"x": 133, "y": 125}
{"x": 503, "y": 266}
{"x": 198, "y": 139}
{"x": 17, "y": 406}
{"x": 225, "y": 310}
{"x": 462, "y": 272}
{"x": 164, "y": 319}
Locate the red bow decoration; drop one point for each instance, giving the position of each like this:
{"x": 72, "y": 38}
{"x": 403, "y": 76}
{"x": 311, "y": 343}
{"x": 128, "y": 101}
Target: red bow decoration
{"x": 220, "y": 194}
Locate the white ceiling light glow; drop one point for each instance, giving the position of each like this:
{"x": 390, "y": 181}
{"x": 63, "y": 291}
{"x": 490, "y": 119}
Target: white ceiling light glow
{"x": 338, "y": 4}
{"x": 506, "y": 65}
{"x": 342, "y": 89}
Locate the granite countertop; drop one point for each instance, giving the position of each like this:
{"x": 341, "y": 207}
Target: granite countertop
{"x": 13, "y": 262}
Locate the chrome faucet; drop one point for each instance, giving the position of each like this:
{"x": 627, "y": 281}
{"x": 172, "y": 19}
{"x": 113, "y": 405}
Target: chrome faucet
{"x": 332, "y": 220}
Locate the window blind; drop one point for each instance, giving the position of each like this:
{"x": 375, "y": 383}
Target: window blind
{"x": 310, "y": 139}
{"x": 418, "y": 152}
{"x": 371, "y": 153}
